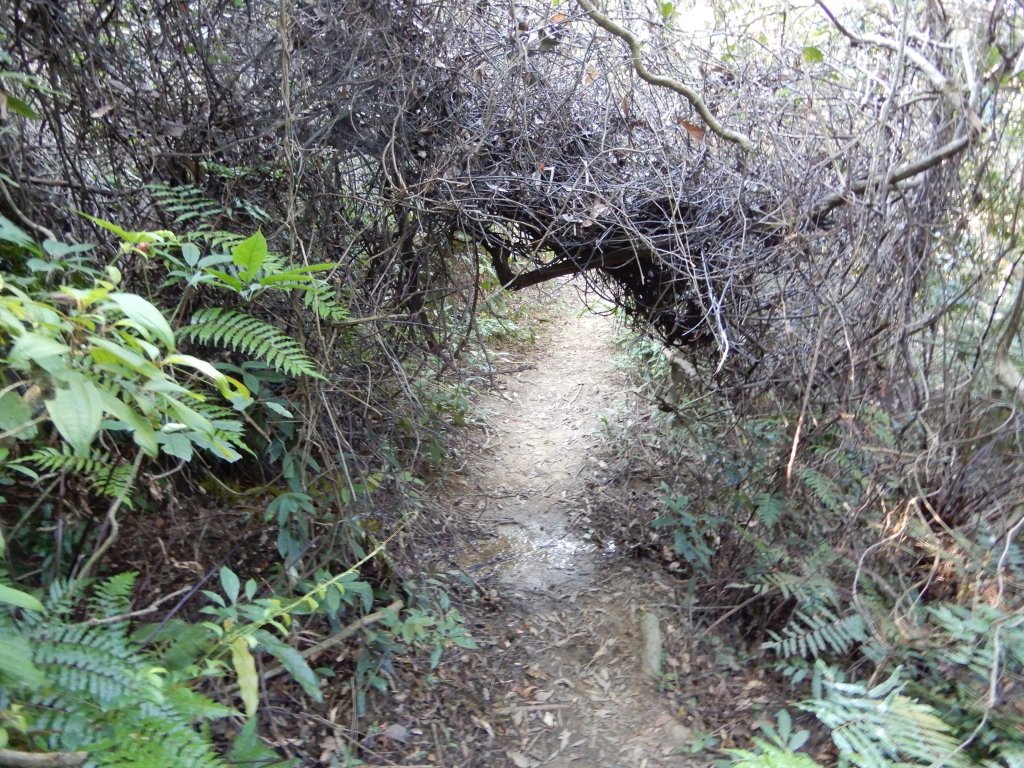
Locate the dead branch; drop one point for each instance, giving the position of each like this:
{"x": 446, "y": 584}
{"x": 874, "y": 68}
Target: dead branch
{"x": 12, "y": 758}
{"x": 663, "y": 81}
{"x": 340, "y": 636}
{"x": 902, "y": 173}
{"x": 1005, "y": 371}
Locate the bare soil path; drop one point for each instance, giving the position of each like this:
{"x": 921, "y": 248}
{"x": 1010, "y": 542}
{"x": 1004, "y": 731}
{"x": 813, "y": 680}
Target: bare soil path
{"x": 568, "y": 652}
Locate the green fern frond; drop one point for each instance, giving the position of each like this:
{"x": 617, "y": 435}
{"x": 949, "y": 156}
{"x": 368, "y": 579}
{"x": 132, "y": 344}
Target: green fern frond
{"x": 113, "y": 596}
{"x": 226, "y": 426}
{"x": 217, "y": 240}
{"x": 156, "y": 744}
{"x": 251, "y": 336}
{"x": 104, "y": 694}
{"x": 814, "y": 634}
{"x": 786, "y": 583}
{"x": 769, "y": 509}
{"x": 185, "y": 203}
{"x": 323, "y": 299}
{"x": 825, "y": 490}
{"x": 879, "y": 727}
{"x": 769, "y": 756}
{"x": 971, "y": 633}
{"x": 809, "y": 590}
{"x": 103, "y": 476}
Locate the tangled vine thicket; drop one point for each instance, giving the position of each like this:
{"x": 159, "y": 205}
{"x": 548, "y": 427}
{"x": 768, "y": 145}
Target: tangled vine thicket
{"x": 392, "y": 137}
{"x": 783, "y": 216}
{"x": 417, "y": 143}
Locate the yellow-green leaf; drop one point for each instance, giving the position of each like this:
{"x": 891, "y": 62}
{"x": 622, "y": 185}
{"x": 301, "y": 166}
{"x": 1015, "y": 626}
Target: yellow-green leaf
{"x": 249, "y": 256}
{"x": 245, "y": 668}
{"x": 228, "y": 386}
{"x": 17, "y": 106}
{"x": 813, "y": 55}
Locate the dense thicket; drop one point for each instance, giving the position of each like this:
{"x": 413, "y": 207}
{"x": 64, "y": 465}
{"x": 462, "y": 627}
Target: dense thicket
{"x": 818, "y": 285}
{"x": 390, "y": 136}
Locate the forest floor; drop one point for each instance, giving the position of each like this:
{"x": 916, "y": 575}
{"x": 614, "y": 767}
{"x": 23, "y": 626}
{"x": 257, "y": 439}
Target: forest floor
{"x": 588, "y": 657}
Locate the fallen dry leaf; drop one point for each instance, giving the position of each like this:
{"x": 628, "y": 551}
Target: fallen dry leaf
{"x": 519, "y": 760}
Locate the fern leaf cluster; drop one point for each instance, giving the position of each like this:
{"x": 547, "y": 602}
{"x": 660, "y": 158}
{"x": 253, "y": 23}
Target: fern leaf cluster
{"x": 185, "y": 203}
{"x": 808, "y": 589}
{"x": 824, "y": 488}
{"x": 878, "y": 727}
{"x": 251, "y": 336}
{"x": 102, "y": 693}
{"x": 105, "y": 476}
{"x": 817, "y": 633}
{"x": 323, "y": 299}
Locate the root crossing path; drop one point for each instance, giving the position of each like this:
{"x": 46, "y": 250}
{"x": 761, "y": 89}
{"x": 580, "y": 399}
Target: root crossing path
{"x": 575, "y": 644}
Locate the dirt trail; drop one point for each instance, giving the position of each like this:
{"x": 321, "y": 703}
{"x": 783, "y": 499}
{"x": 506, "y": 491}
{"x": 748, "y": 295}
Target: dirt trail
{"x": 576, "y": 694}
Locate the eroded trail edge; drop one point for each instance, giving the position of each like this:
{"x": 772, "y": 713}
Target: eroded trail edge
{"x": 571, "y": 686}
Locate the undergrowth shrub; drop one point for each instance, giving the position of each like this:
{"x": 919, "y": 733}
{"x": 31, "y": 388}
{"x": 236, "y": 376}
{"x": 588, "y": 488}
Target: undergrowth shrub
{"x": 85, "y": 686}
{"x": 97, "y": 395}
{"x": 878, "y": 573}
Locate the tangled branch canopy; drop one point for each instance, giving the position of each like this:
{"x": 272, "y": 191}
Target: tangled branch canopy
{"x": 391, "y": 135}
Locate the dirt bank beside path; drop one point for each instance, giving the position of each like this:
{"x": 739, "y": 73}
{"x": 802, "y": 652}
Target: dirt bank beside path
{"x": 565, "y": 646}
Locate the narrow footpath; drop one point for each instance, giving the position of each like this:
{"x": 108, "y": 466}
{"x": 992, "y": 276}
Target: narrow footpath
{"x": 575, "y": 644}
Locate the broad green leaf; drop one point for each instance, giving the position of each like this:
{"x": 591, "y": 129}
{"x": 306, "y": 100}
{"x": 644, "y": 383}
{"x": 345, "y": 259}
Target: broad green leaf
{"x": 76, "y": 412}
{"x": 118, "y": 353}
{"x": 230, "y": 583}
{"x": 19, "y": 599}
{"x": 18, "y": 107}
{"x": 293, "y": 662}
{"x": 59, "y": 250}
{"x": 249, "y": 256}
{"x": 14, "y": 412}
{"x": 229, "y": 280}
{"x": 16, "y": 660}
{"x": 813, "y": 55}
{"x": 279, "y": 409}
{"x": 165, "y": 386}
{"x": 247, "y": 749}
{"x": 189, "y": 417}
{"x": 33, "y": 347}
{"x": 12, "y": 233}
{"x": 245, "y": 668}
{"x": 146, "y": 315}
{"x": 191, "y": 254}
{"x": 176, "y": 444}
{"x": 142, "y": 430}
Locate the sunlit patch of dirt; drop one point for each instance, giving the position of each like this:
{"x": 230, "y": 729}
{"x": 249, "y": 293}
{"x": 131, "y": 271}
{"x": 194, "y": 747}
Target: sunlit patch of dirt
{"x": 558, "y": 613}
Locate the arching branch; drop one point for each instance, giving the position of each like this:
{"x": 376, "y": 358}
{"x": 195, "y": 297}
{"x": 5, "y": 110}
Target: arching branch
{"x": 902, "y": 173}
{"x": 662, "y": 81}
